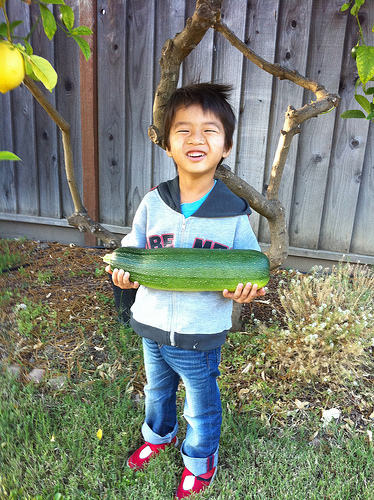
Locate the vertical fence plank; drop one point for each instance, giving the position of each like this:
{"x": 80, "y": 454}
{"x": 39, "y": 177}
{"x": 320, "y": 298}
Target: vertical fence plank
{"x": 22, "y": 106}
{"x": 89, "y": 127}
{"x": 68, "y": 100}
{"x": 315, "y": 141}
{"x": 139, "y": 102}
{"x": 256, "y": 96}
{"x": 111, "y": 52}
{"x": 7, "y": 169}
{"x": 24, "y": 137}
{"x": 8, "y": 202}
{"x": 348, "y": 151}
{"x": 169, "y": 20}
{"x": 228, "y": 63}
{"x": 292, "y": 49}
{"x": 363, "y": 232}
{"x": 198, "y": 66}
{"x": 46, "y": 134}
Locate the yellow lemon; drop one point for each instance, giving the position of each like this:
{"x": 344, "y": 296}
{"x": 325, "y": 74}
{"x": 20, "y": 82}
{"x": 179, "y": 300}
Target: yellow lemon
{"x": 12, "y": 67}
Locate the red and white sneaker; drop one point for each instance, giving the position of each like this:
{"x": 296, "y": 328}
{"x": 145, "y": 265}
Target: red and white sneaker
{"x": 142, "y": 455}
{"x": 194, "y": 484}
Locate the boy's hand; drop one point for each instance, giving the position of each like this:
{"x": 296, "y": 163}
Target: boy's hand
{"x": 244, "y": 294}
{"x": 121, "y": 278}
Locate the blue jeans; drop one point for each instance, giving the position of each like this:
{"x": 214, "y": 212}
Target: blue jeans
{"x": 165, "y": 366}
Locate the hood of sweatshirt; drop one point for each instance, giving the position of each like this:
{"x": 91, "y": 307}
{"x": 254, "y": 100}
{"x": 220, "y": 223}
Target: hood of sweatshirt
{"x": 221, "y": 202}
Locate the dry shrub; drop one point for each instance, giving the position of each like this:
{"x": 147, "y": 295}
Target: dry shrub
{"x": 330, "y": 334}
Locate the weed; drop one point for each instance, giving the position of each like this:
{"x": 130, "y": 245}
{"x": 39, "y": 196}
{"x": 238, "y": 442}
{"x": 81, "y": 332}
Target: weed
{"x": 108, "y": 301}
{"x": 11, "y": 253}
{"x": 44, "y": 277}
{"x": 6, "y": 298}
{"x": 99, "y": 271}
{"x": 34, "y": 319}
{"x": 22, "y": 272}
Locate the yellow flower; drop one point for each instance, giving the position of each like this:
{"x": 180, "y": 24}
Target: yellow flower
{"x": 99, "y": 434}
{"x": 52, "y": 439}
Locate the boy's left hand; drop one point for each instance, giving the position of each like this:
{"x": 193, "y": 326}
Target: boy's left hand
{"x": 244, "y": 294}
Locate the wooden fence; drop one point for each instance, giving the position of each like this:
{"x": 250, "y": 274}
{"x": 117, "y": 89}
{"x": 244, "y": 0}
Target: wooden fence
{"x": 327, "y": 187}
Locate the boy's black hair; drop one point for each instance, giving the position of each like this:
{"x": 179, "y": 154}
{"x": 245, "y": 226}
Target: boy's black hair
{"x": 211, "y": 97}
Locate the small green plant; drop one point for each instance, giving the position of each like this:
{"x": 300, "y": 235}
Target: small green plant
{"x": 5, "y": 298}
{"x": 22, "y": 272}
{"x": 99, "y": 271}
{"x": 45, "y": 277}
{"x": 107, "y": 301}
{"x": 34, "y": 319}
{"x": 9, "y": 256}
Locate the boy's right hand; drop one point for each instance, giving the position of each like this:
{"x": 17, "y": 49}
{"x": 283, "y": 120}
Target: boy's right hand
{"x": 121, "y": 278}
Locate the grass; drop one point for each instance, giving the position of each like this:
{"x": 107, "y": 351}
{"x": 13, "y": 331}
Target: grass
{"x": 49, "y": 446}
{"x": 274, "y": 444}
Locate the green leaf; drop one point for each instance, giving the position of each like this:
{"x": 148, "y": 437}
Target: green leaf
{"x": 359, "y": 3}
{"x": 354, "y": 10}
{"x": 56, "y": 2}
{"x": 44, "y": 71}
{"x": 7, "y": 155}
{"x": 29, "y": 49}
{"x": 365, "y": 62}
{"x": 369, "y": 91}
{"x": 29, "y": 70}
{"x": 363, "y": 102}
{"x": 353, "y": 113}
{"x": 4, "y": 29}
{"x": 370, "y": 116}
{"x": 67, "y": 16}
{"x": 14, "y": 24}
{"x": 49, "y": 21}
{"x": 345, "y": 6}
{"x": 82, "y": 31}
{"x": 84, "y": 46}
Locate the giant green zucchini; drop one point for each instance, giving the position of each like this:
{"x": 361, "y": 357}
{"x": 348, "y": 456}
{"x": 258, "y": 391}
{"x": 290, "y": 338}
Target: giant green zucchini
{"x": 191, "y": 269}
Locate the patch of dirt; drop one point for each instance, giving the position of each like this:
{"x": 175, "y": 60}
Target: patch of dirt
{"x": 67, "y": 279}
{"x": 268, "y": 308}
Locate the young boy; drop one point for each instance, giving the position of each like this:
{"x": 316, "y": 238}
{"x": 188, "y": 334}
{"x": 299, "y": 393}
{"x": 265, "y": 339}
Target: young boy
{"x": 183, "y": 331}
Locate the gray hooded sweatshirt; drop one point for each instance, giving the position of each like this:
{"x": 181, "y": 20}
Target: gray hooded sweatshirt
{"x": 188, "y": 320}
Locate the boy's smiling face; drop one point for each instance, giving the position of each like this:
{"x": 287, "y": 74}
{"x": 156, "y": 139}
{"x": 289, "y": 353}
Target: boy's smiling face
{"x": 196, "y": 141}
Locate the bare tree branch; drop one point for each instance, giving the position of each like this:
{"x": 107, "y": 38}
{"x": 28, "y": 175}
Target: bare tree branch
{"x": 85, "y": 224}
{"x": 274, "y": 69}
{"x": 272, "y": 209}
